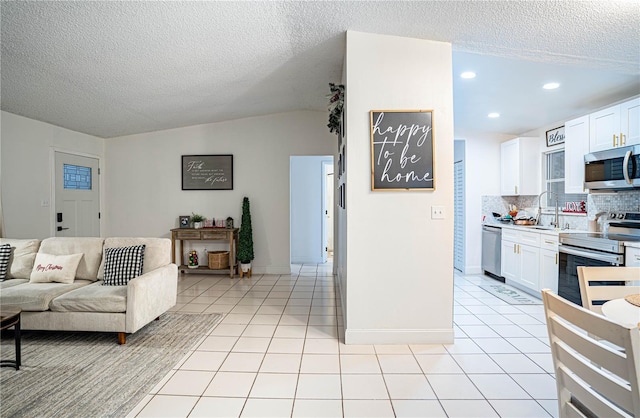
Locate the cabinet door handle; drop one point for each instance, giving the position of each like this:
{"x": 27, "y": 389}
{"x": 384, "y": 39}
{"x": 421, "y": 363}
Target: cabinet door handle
{"x": 615, "y": 140}
{"x": 549, "y": 242}
{"x": 514, "y": 249}
{"x": 556, "y": 258}
{"x": 516, "y": 189}
{"x": 623, "y": 139}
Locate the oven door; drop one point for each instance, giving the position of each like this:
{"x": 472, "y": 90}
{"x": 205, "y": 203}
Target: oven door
{"x": 570, "y": 258}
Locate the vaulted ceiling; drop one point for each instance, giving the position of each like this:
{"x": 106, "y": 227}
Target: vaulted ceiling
{"x": 121, "y": 67}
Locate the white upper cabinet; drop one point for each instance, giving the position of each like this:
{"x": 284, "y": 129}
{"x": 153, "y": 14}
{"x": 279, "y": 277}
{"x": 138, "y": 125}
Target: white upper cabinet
{"x": 576, "y": 145}
{"x": 615, "y": 126}
{"x": 520, "y": 167}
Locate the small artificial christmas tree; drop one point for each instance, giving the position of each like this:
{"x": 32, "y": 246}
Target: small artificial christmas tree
{"x": 245, "y": 238}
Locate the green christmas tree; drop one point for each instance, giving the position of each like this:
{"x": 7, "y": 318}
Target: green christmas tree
{"x": 245, "y": 244}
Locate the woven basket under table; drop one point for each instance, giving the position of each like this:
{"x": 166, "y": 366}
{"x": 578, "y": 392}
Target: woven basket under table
{"x": 218, "y": 259}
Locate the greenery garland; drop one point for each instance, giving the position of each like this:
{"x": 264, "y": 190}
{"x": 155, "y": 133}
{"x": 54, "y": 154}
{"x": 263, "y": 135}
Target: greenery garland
{"x": 336, "y": 103}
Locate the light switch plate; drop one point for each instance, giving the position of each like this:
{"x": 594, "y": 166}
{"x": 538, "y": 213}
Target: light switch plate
{"x": 437, "y": 212}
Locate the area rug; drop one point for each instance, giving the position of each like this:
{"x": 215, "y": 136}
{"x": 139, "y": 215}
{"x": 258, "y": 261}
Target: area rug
{"x": 510, "y": 295}
{"x": 87, "y": 374}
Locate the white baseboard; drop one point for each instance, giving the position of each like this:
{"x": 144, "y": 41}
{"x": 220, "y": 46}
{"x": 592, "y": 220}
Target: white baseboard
{"x": 399, "y": 336}
{"x": 473, "y": 270}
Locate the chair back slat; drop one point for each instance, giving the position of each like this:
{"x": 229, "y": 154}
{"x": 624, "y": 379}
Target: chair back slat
{"x": 616, "y": 390}
{"x": 595, "y": 403}
{"x": 591, "y": 290}
{"x": 595, "y": 361}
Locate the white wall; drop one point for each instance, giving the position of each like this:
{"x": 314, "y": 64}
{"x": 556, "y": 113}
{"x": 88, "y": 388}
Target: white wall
{"x": 399, "y": 278}
{"x": 307, "y": 215}
{"x": 144, "y": 183}
{"x": 26, "y": 171}
{"x": 482, "y": 177}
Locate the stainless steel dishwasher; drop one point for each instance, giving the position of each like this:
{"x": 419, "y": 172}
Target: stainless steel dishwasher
{"x": 491, "y": 249}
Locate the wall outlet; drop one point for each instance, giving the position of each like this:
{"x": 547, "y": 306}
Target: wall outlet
{"x": 437, "y": 212}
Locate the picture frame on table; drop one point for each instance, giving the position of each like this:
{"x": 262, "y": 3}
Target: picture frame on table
{"x": 184, "y": 221}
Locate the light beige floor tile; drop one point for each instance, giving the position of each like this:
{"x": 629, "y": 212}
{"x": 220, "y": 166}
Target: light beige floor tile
{"x": 204, "y": 360}
{"x": 245, "y": 309}
{"x": 242, "y": 362}
{"x": 359, "y": 364}
{"x": 290, "y": 319}
{"x": 231, "y": 384}
{"x": 320, "y": 363}
{"x": 363, "y": 386}
{"x": 438, "y": 364}
{"x": 286, "y": 345}
{"x": 217, "y": 343}
{"x": 193, "y": 308}
{"x": 315, "y": 408}
{"x": 187, "y": 383}
{"x": 261, "y": 319}
{"x": 319, "y": 386}
{"x": 356, "y": 349}
{"x": 398, "y": 363}
{"x": 161, "y": 406}
{"x": 290, "y": 331}
{"x": 251, "y": 345}
{"x": 281, "y": 363}
{"x": 408, "y": 386}
{"x": 322, "y": 331}
{"x": 453, "y": 386}
{"x": 418, "y": 409}
{"x": 253, "y": 330}
{"x": 368, "y": 409}
{"x": 267, "y": 408}
{"x": 465, "y": 408}
{"x": 217, "y": 408}
{"x": 477, "y": 363}
{"x": 274, "y": 385}
{"x": 228, "y": 330}
{"x": 321, "y": 346}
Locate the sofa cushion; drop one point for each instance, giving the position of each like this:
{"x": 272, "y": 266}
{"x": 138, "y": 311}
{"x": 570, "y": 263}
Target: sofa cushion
{"x": 157, "y": 251}
{"x": 92, "y": 298}
{"x": 36, "y": 296}
{"x": 89, "y": 246}
{"x": 22, "y": 256}
{"x": 5, "y": 253}
{"x": 122, "y": 264}
{"x": 55, "y": 268}
{"x": 11, "y": 282}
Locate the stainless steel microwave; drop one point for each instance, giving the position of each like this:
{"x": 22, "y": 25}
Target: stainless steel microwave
{"x": 613, "y": 169}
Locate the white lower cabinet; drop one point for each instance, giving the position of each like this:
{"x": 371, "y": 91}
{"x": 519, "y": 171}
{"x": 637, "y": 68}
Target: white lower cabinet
{"x": 632, "y": 257}
{"x": 530, "y": 259}
{"x": 549, "y": 270}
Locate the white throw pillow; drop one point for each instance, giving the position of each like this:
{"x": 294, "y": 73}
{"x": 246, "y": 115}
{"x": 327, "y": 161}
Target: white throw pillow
{"x": 55, "y": 268}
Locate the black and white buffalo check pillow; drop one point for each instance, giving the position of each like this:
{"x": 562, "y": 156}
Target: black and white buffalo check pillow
{"x": 5, "y": 254}
{"x": 122, "y": 264}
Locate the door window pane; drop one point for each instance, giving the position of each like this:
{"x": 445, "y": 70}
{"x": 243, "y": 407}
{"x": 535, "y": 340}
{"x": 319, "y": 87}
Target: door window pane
{"x": 77, "y": 177}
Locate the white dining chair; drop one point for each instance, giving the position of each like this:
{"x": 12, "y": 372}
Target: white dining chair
{"x": 594, "y": 295}
{"x": 593, "y": 379}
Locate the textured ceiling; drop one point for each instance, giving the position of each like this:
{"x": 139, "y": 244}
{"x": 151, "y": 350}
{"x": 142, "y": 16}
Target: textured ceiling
{"x": 116, "y": 68}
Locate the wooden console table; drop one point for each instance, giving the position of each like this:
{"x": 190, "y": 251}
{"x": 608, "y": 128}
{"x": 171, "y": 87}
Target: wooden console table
{"x": 205, "y": 234}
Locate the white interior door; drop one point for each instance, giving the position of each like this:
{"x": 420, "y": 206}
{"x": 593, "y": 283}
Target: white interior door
{"x": 77, "y": 196}
{"x": 328, "y": 206}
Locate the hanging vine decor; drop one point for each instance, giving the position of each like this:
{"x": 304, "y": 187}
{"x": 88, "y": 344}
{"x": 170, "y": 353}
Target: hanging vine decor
{"x": 336, "y": 102}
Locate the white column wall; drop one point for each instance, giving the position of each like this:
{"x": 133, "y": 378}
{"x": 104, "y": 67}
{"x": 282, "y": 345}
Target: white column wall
{"x": 399, "y": 278}
{"x": 27, "y": 173}
{"x": 144, "y": 178}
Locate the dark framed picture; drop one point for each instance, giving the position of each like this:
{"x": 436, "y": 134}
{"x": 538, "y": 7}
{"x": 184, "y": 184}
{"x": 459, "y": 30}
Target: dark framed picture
{"x": 184, "y": 221}
{"x": 405, "y": 160}
{"x": 555, "y": 136}
{"x": 207, "y": 172}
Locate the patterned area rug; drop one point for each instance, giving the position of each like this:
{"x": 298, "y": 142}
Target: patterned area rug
{"x": 87, "y": 374}
{"x": 510, "y": 295}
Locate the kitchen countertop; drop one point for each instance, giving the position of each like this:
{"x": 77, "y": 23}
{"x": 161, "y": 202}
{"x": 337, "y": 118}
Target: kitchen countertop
{"x": 547, "y": 230}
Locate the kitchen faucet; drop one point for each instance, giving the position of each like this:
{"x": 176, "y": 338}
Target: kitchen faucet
{"x": 556, "y": 223}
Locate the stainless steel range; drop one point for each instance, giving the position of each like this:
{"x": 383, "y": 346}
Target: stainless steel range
{"x": 594, "y": 249}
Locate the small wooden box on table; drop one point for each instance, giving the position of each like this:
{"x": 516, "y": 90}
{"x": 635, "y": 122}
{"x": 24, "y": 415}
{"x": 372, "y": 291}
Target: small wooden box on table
{"x": 205, "y": 234}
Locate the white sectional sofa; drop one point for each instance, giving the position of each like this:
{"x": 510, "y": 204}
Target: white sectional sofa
{"x": 86, "y": 304}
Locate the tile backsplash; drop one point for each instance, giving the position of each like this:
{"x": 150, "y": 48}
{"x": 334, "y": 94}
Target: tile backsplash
{"x": 628, "y": 201}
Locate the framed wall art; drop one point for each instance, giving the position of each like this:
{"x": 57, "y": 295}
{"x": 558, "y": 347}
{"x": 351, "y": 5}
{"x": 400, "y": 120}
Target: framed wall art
{"x": 555, "y": 136}
{"x": 207, "y": 172}
{"x": 402, "y": 156}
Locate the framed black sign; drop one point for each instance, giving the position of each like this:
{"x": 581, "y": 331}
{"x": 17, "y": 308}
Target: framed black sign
{"x": 207, "y": 172}
{"x": 555, "y": 136}
{"x": 402, "y": 150}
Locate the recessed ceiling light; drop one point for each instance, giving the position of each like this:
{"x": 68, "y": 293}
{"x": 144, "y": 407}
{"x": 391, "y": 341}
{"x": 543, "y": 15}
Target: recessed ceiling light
{"x": 494, "y": 115}
{"x": 468, "y": 74}
{"x": 551, "y": 86}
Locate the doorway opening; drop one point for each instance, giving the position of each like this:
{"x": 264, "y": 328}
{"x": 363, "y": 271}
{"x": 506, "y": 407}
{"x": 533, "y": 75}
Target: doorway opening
{"x": 311, "y": 209}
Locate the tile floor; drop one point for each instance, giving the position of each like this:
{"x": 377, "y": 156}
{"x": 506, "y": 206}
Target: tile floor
{"x": 277, "y": 353}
